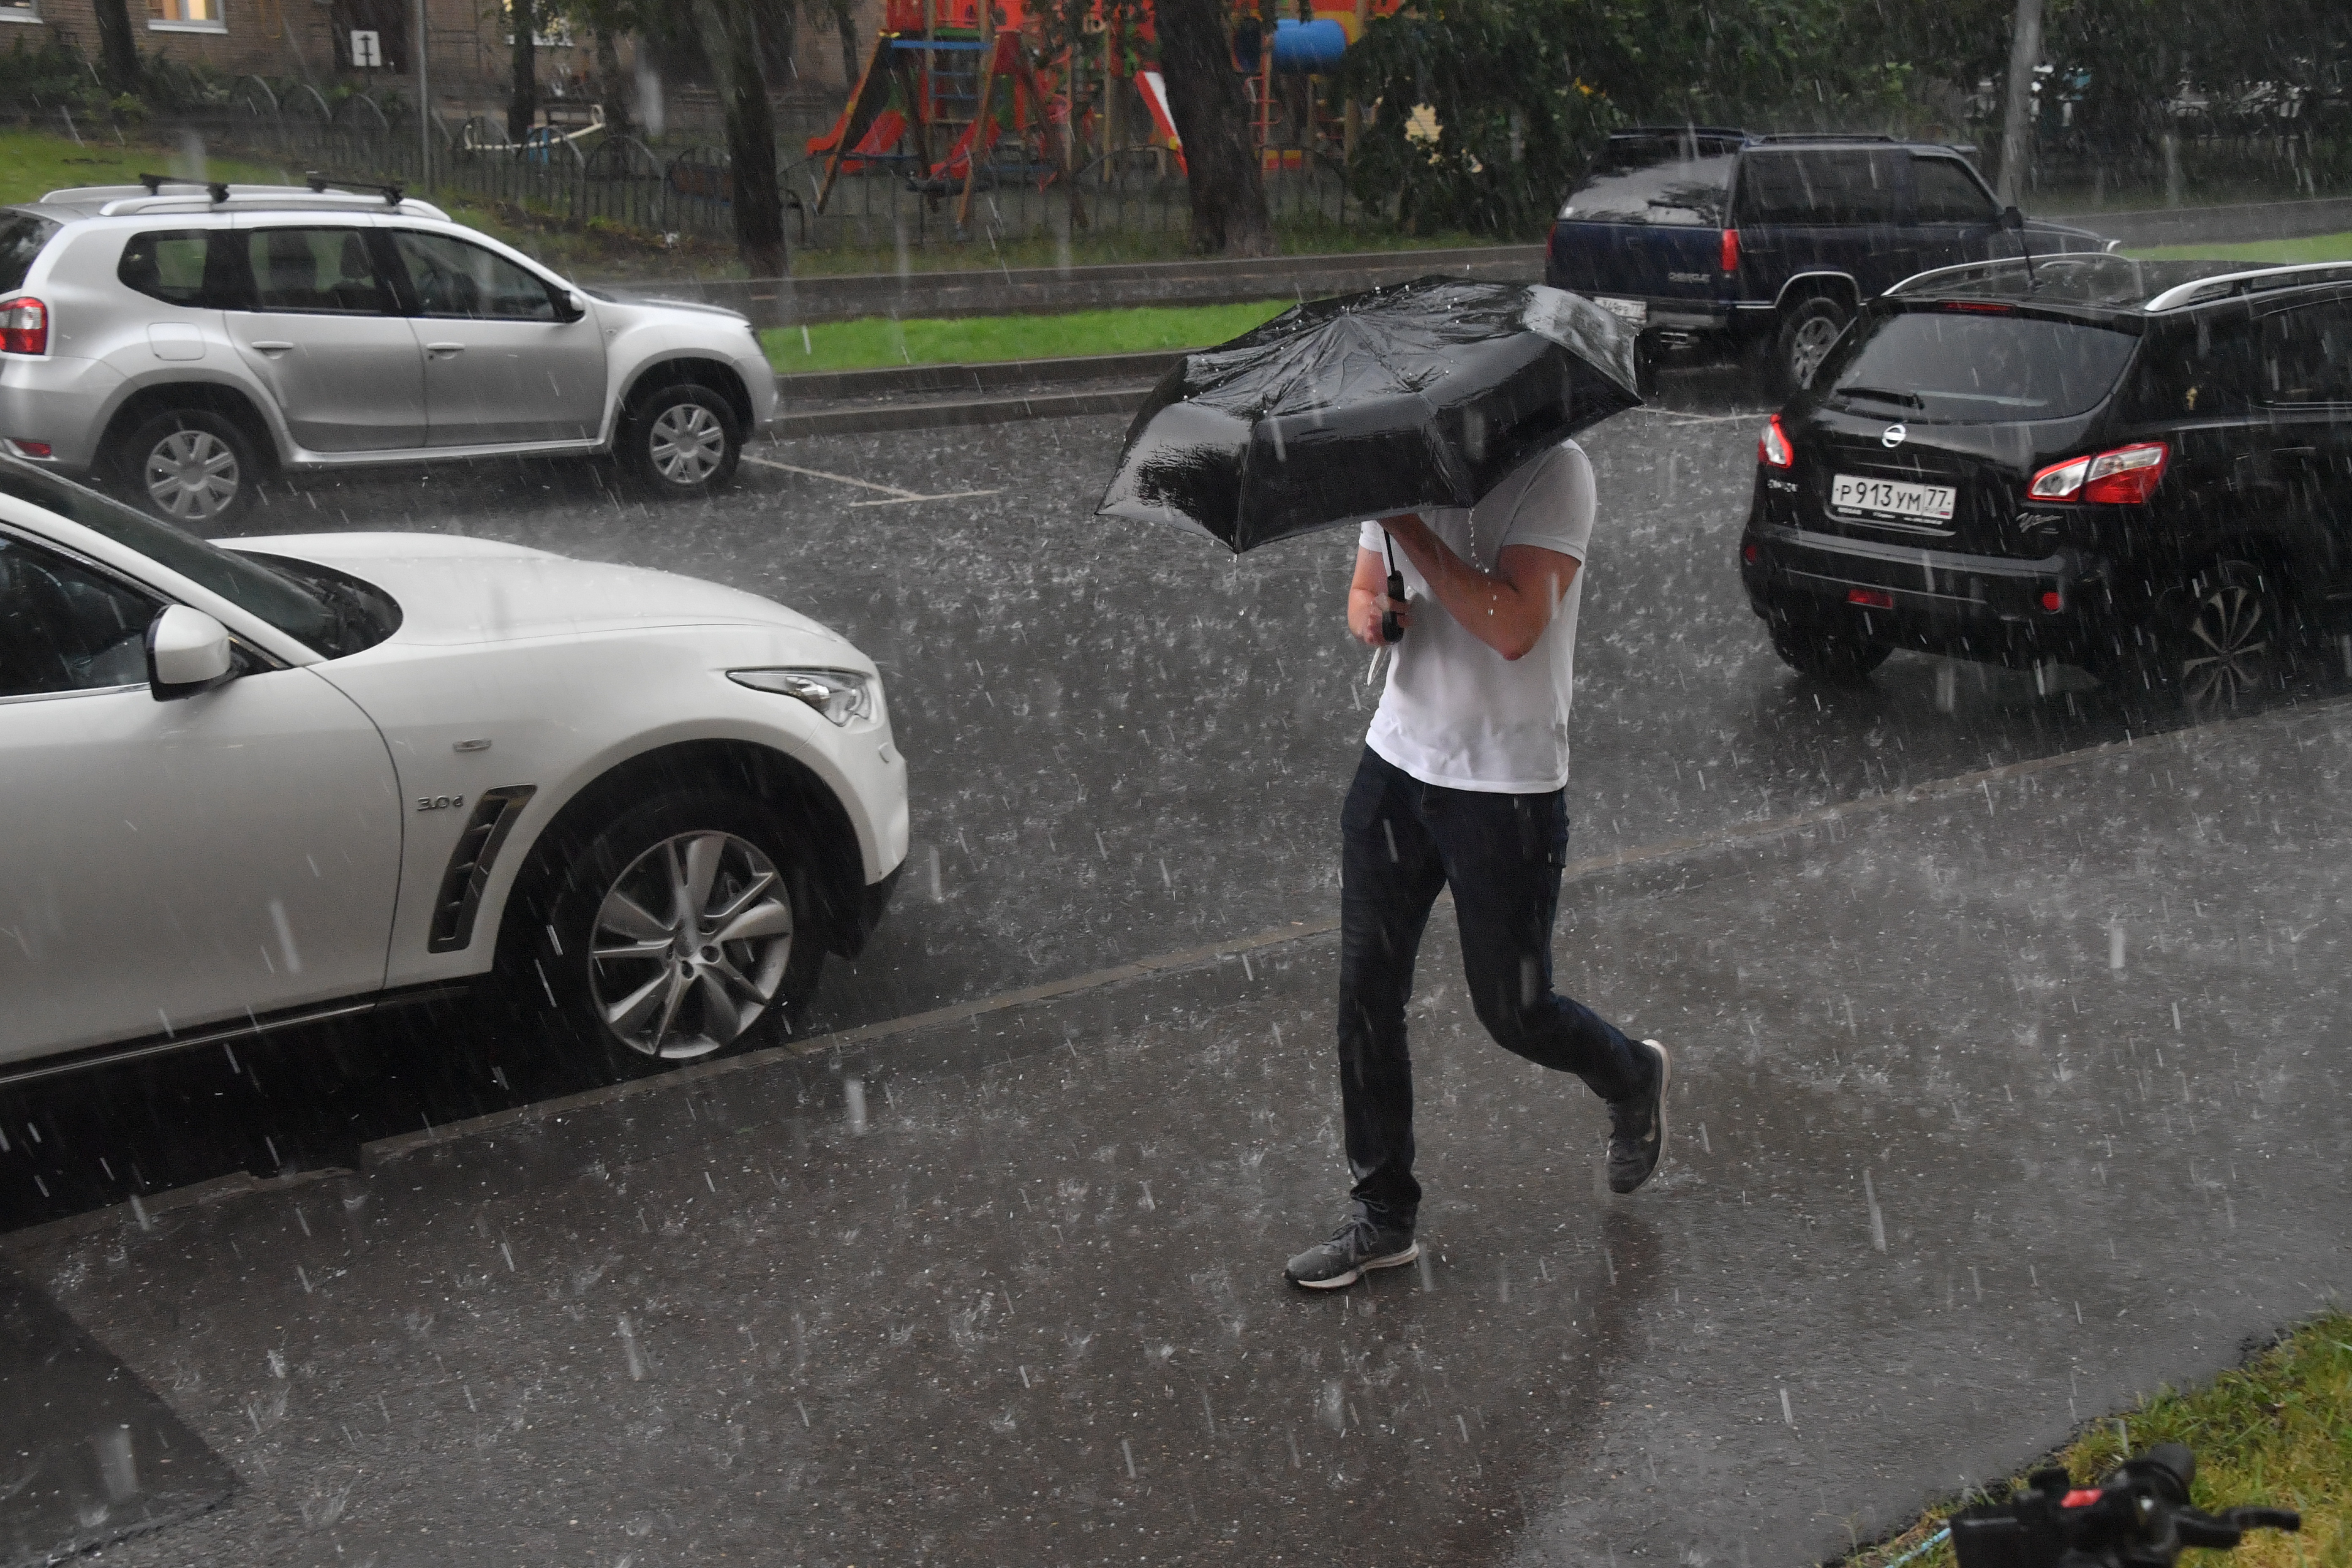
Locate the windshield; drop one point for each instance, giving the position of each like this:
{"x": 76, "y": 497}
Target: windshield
{"x": 1972, "y": 369}
{"x": 1651, "y": 180}
{"x": 21, "y": 238}
{"x": 328, "y": 623}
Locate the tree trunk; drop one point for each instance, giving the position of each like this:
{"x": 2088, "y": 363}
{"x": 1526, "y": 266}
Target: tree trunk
{"x": 2017, "y": 116}
{"x": 612, "y": 88}
{"x": 522, "y": 103}
{"x": 1205, "y": 98}
{"x": 730, "y": 37}
{"x": 853, "y": 59}
{"x": 118, "y": 47}
{"x": 776, "y": 30}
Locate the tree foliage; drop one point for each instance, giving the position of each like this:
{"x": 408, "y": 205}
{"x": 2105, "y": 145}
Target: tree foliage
{"x": 1488, "y": 109}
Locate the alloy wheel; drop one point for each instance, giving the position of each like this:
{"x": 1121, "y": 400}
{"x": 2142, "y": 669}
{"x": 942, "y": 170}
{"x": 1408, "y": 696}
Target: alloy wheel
{"x": 1811, "y": 344}
{"x": 688, "y": 443}
{"x": 191, "y": 476}
{"x": 2226, "y": 653}
{"x": 691, "y": 946}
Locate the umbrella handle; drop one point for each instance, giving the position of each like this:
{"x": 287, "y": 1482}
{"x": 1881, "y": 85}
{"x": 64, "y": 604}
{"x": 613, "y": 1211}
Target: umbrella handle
{"x": 1391, "y": 631}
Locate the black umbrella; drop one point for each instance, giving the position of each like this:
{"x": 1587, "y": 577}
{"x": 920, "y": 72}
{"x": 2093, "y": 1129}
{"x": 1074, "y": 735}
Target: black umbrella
{"x": 1421, "y": 394}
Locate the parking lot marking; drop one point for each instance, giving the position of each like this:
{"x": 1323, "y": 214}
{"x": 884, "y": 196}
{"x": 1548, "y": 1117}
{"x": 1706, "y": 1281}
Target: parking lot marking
{"x": 897, "y": 497}
{"x": 903, "y": 500}
{"x": 1695, "y": 418}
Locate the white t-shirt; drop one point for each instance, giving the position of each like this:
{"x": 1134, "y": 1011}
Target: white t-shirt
{"x": 1455, "y": 712}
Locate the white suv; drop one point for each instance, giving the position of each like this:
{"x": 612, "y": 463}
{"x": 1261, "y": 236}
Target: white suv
{"x": 255, "y": 786}
{"x": 184, "y": 341}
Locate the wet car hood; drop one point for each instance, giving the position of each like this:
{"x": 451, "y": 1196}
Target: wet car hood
{"x": 453, "y": 590}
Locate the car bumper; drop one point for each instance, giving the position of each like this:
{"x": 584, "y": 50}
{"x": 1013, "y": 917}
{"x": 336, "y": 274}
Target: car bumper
{"x": 864, "y": 920}
{"x": 1990, "y": 607}
{"x": 58, "y": 402}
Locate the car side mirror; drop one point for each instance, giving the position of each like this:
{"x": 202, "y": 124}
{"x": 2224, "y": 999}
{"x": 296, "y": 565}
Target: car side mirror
{"x": 188, "y": 652}
{"x": 575, "y": 305}
{"x": 2012, "y": 218}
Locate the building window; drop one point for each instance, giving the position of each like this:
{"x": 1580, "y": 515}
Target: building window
{"x": 186, "y": 17}
{"x": 20, "y": 10}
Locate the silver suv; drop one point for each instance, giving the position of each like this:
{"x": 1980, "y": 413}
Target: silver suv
{"x": 185, "y": 341}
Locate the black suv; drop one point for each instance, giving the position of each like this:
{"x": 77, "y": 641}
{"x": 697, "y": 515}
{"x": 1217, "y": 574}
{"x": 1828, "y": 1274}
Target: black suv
{"x": 2144, "y": 468}
{"x": 1715, "y": 240}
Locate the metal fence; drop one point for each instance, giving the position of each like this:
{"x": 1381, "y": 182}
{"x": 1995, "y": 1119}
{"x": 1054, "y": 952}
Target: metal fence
{"x": 594, "y": 177}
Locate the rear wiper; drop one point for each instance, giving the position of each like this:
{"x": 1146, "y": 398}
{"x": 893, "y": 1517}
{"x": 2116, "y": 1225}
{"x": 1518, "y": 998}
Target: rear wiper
{"x": 1877, "y": 395}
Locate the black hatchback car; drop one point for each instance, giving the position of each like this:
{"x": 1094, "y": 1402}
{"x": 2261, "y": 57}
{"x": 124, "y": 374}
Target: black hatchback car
{"x": 2144, "y": 468}
{"x": 1714, "y": 240}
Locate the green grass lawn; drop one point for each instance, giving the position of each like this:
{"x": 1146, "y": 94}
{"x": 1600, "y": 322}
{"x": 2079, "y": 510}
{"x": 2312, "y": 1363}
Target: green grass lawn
{"x": 33, "y": 163}
{"x": 2277, "y": 1430}
{"x": 974, "y": 339}
{"x": 2319, "y": 248}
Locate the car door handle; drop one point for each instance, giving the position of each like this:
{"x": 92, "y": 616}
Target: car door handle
{"x": 2301, "y": 454}
{"x": 272, "y": 346}
{"x": 444, "y": 348}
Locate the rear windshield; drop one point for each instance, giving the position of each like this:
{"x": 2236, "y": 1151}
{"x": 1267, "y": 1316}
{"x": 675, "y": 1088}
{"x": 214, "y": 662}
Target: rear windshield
{"x": 1655, "y": 179}
{"x": 21, "y": 238}
{"x": 1977, "y": 370}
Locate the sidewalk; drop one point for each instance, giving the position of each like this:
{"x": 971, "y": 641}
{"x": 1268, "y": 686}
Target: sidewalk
{"x": 1998, "y": 1103}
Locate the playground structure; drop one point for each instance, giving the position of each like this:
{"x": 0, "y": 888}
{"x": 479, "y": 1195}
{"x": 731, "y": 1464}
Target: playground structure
{"x": 950, "y": 96}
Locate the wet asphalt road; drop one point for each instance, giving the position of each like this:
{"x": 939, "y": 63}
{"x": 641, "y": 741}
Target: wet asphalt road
{"x": 1013, "y": 1297}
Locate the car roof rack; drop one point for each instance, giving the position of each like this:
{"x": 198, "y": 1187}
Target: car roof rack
{"x": 1831, "y": 136}
{"x": 1719, "y": 132}
{"x": 216, "y": 189}
{"x": 321, "y": 185}
{"x": 2255, "y": 280}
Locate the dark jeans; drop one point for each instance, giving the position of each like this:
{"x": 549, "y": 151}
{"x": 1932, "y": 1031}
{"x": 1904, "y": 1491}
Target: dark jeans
{"x": 1502, "y": 855}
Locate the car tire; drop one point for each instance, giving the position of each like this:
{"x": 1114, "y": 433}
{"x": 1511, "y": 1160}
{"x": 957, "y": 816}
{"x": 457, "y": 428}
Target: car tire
{"x": 597, "y": 952}
{"x": 682, "y": 441}
{"x": 2220, "y": 638}
{"x": 189, "y": 467}
{"x": 1831, "y": 655}
{"x": 1807, "y": 332}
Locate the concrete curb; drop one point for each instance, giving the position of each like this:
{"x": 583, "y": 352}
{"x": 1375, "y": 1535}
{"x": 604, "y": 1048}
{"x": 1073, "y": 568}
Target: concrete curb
{"x": 883, "y": 416}
{"x": 794, "y": 301}
{"x": 2216, "y": 225}
{"x": 997, "y": 376}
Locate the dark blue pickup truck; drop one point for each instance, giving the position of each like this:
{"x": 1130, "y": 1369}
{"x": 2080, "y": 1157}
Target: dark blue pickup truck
{"x": 1720, "y": 241}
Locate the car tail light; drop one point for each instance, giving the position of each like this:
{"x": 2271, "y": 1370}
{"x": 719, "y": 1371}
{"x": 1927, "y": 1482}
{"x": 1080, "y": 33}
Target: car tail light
{"x": 23, "y": 326}
{"x": 1751, "y": 553}
{"x": 1773, "y": 449}
{"x": 1870, "y": 598}
{"x": 1731, "y": 250}
{"x": 1980, "y": 308}
{"x": 34, "y": 448}
{"x": 2053, "y": 601}
{"x": 2126, "y": 476}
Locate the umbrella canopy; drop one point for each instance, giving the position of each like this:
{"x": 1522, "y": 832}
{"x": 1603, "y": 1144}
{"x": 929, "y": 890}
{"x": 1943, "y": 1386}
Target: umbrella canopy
{"x": 1421, "y": 394}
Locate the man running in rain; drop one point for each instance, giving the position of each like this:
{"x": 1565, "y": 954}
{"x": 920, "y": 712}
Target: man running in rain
{"x": 1463, "y": 786}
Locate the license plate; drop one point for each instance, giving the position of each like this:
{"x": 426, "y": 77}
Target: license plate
{"x": 1891, "y": 497}
{"x": 1635, "y": 311}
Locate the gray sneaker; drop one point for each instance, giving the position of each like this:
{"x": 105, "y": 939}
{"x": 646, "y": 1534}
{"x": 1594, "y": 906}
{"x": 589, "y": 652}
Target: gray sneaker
{"x": 1355, "y": 1250}
{"x": 1637, "y": 1127}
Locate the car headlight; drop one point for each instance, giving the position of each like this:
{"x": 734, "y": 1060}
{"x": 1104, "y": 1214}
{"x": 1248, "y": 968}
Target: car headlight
{"x": 840, "y": 695}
